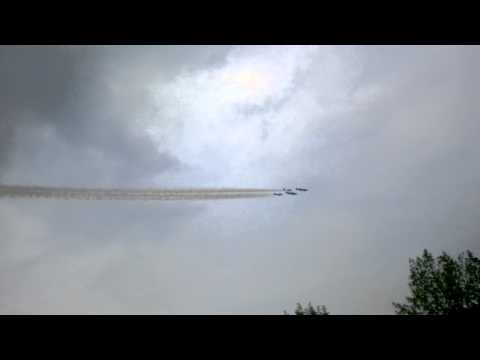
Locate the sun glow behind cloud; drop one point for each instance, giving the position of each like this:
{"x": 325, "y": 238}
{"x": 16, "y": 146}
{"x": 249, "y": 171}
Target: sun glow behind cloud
{"x": 246, "y": 85}
{"x": 228, "y": 119}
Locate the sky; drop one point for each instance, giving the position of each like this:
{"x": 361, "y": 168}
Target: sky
{"x": 385, "y": 138}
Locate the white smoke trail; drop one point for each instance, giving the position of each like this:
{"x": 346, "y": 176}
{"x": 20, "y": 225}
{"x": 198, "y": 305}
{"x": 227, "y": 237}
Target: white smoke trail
{"x": 14, "y": 191}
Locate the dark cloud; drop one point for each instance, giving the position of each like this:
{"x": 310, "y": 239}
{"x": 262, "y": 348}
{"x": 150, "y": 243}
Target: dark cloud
{"x": 83, "y": 97}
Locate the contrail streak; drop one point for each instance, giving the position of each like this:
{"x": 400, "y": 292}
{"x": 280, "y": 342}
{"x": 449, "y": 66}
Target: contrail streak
{"x": 14, "y": 191}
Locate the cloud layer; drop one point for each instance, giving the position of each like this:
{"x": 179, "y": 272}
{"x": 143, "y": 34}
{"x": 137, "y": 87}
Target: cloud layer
{"x": 385, "y": 137}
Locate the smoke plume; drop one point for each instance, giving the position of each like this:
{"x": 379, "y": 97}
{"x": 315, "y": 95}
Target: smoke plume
{"x": 14, "y": 191}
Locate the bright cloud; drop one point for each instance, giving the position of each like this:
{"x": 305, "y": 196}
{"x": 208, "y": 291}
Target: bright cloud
{"x": 228, "y": 118}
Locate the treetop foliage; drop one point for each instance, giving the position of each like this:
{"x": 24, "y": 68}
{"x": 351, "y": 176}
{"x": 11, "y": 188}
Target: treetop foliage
{"x": 310, "y": 310}
{"x": 442, "y": 285}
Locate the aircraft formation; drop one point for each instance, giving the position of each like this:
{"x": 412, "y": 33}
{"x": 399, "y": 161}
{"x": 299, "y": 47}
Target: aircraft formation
{"x": 289, "y": 191}
{"x": 27, "y": 191}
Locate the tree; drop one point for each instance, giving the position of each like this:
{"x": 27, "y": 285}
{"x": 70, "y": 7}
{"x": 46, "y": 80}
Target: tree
{"x": 309, "y": 310}
{"x": 443, "y": 285}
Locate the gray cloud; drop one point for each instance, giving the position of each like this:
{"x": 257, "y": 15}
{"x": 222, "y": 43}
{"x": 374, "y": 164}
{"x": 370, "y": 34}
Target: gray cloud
{"x": 385, "y": 138}
{"x": 83, "y": 100}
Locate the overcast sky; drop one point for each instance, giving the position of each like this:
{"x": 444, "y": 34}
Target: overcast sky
{"x": 385, "y": 138}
